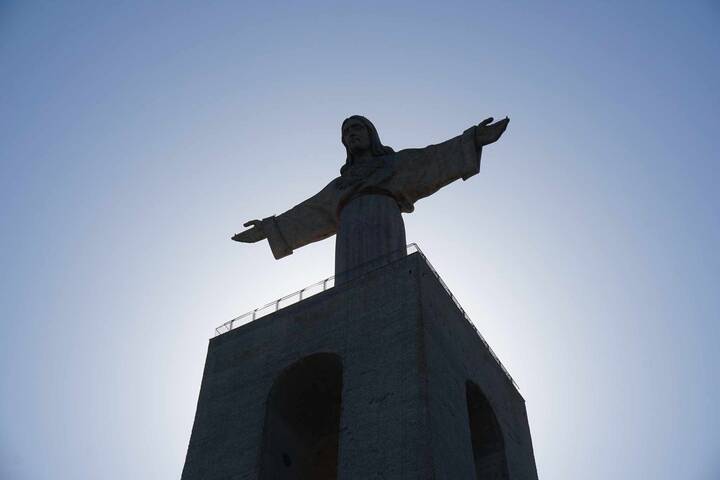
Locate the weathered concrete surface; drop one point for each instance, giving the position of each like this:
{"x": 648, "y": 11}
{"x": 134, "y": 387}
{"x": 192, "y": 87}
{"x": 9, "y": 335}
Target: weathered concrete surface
{"x": 455, "y": 354}
{"x": 406, "y": 353}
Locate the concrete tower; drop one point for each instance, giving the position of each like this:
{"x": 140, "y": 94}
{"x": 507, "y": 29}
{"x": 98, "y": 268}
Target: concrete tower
{"x": 380, "y": 377}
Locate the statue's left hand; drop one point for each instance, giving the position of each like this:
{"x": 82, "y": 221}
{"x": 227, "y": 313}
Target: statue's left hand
{"x": 254, "y": 234}
{"x": 488, "y": 132}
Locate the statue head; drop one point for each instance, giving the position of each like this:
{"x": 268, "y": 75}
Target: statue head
{"x": 358, "y": 134}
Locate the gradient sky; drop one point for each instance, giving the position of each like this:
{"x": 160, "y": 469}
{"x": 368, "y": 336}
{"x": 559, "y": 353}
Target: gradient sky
{"x": 136, "y": 137}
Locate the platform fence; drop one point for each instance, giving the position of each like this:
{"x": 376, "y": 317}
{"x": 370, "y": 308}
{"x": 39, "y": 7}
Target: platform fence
{"x": 328, "y": 283}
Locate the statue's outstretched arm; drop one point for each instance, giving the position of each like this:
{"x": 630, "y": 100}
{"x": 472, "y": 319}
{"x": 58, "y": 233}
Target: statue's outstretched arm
{"x": 310, "y": 221}
{"x": 423, "y": 171}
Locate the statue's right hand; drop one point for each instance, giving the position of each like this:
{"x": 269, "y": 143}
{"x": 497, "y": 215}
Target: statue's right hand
{"x": 487, "y": 132}
{"x": 252, "y": 235}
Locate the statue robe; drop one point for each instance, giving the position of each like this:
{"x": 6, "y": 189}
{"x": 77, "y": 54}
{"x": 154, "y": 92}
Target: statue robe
{"x": 407, "y": 176}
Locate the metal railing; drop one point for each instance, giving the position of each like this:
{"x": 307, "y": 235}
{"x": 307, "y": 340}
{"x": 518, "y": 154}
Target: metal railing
{"x": 329, "y": 283}
{"x": 309, "y": 291}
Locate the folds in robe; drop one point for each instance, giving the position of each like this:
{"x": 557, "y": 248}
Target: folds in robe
{"x": 407, "y": 176}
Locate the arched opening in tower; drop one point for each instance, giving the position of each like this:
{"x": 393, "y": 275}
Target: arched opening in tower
{"x": 487, "y": 440}
{"x": 302, "y": 421}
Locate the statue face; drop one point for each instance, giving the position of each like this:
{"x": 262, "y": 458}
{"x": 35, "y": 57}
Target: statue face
{"x": 355, "y": 136}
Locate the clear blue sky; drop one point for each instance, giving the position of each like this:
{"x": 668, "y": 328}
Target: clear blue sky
{"x": 136, "y": 137}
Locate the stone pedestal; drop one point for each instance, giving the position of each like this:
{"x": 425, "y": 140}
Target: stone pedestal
{"x": 381, "y": 377}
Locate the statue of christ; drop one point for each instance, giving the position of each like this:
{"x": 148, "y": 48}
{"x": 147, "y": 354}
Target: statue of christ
{"x": 363, "y": 205}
